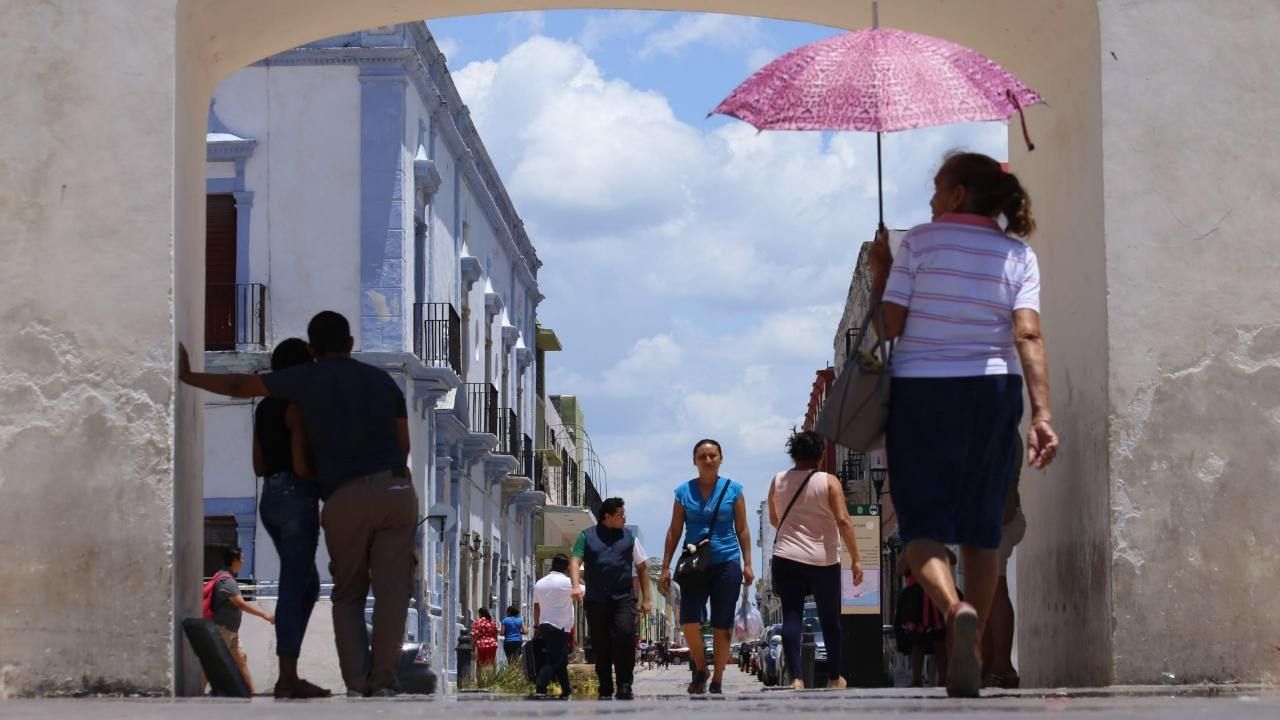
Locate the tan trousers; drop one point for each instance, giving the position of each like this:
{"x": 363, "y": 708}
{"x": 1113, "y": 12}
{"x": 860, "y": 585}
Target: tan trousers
{"x": 369, "y": 525}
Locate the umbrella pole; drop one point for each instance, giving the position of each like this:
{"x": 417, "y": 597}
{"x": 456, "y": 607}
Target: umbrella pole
{"x": 875, "y": 25}
{"x": 879, "y": 179}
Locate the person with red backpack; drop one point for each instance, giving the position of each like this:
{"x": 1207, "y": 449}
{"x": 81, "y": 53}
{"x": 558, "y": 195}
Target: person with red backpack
{"x": 224, "y": 605}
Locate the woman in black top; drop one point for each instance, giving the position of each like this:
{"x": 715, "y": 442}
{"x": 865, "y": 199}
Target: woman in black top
{"x": 290, "y": 511}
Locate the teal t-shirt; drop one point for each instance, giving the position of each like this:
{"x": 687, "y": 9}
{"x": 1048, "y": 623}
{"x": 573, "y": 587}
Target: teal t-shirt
{"x": 697, "y": 518}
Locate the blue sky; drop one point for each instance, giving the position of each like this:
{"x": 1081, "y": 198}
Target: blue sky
{"x": 695, "y": 269}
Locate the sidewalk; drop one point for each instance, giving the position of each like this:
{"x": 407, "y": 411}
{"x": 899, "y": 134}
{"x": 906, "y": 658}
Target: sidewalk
{"x": 660, "y": 696}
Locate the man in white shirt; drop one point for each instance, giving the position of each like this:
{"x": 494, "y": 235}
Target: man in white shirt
{"x": 553, "y": 619}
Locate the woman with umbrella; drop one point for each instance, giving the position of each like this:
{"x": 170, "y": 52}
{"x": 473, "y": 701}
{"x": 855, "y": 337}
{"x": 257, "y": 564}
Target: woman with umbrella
{"x": 963, "y": 300}
{"x": 962, "y": 297}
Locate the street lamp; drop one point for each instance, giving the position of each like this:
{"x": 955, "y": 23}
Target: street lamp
{"x": 878, "y": 477}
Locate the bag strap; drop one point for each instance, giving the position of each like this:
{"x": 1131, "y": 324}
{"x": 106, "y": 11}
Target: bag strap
{"x": 715, "y": 514}
{"x": 794, "y": 498}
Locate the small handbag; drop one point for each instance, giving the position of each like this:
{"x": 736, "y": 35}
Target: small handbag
{"x": 857, "y": 407}
{"x": 694, "y": 565}
{"x": 783, "y": 519}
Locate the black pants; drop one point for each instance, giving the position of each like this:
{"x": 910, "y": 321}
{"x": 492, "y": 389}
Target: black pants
{"x": 793, "y": 581}
{"x": 612, "y": 625}
{"x": 512, "y": 650}
{"x": 555, "y": 661}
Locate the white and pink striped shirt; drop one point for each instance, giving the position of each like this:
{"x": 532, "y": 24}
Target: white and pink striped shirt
{"x": 960, "y": 279}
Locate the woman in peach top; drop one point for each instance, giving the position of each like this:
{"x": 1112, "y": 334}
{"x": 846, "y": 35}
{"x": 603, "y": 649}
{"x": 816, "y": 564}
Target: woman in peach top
{"x": 807, "y": 508}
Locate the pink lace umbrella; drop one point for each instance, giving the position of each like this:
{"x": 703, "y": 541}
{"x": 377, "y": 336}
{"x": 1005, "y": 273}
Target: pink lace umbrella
{"x": 878, "y": 80}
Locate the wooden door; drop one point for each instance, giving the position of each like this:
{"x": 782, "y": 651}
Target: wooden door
{"x": 220, "y": 273}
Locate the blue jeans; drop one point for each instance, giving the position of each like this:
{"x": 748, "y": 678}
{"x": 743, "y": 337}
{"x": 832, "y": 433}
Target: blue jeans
{"x": 290, "y": 511}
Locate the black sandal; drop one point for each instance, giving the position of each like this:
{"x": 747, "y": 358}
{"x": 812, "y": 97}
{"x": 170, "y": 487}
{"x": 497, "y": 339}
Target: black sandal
{"x": 699, "y": 684}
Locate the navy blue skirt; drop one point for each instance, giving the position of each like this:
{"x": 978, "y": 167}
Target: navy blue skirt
{"x": 952, "y": 447}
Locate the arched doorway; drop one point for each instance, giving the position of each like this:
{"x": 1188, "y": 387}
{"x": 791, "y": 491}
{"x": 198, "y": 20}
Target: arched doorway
{"x": 1028, "y": 38}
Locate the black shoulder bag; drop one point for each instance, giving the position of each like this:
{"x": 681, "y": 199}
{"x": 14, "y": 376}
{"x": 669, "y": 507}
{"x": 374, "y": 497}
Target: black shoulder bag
{"x": 783, "y": 519}
{"x": 694, "y": 565}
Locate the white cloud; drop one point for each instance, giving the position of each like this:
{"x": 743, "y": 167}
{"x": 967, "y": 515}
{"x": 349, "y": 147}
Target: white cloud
{"x": 760, "y": 57}
{"x": 722, "y": 31}
{"x": 602, "y": 27}
{"x": 695, "y": 273}
{"x": 520, "y": 25}
{"x": 451, "y": 48}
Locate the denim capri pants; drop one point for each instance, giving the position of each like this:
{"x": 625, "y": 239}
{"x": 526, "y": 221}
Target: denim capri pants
{"x": 723, "y": 588}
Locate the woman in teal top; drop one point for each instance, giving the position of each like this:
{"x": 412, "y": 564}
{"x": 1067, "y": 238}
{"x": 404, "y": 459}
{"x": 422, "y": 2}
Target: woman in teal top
{"x": 697, "y": 502}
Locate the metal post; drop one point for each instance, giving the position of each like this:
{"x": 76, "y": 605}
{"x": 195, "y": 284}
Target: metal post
{"x": 808, "y": 654}
{"x": 466, "y": 671}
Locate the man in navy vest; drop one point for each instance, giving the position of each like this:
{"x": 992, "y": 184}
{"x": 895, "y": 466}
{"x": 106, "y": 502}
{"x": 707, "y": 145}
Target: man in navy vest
{"x": 610, "y": 551}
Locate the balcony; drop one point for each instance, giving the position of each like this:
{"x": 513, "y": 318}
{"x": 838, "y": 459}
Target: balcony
{"x": 851, "y": 470}
{"x": 527, "y": 459}
{"x": 234, "y": 315}
{"x": 591, "y": 498}
{"x": 509, "y": 435}
{"x": 850, "y": 337}
{"x": 437, "y": 338}
{"x": 482, "y": 399}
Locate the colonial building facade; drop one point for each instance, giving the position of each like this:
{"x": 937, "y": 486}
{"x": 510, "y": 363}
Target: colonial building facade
{"x": 346, "y": 175}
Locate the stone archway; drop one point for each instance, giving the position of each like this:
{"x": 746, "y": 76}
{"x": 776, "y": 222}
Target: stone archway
{"x": 1147, "y": 154}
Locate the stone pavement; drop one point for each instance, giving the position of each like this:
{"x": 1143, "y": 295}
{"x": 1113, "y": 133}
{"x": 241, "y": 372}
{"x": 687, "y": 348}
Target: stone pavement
{"x": 661, "y": 696}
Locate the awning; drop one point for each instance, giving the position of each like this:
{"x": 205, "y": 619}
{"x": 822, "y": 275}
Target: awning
{"x": 561, "y": 524}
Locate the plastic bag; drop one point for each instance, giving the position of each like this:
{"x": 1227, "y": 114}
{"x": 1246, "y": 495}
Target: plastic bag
{"x": 747, "y": 624}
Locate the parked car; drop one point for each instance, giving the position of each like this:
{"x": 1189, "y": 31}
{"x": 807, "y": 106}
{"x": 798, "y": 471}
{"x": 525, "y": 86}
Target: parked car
{"x": 768, "y": 652}
{"x": 678, "y": 654}
{"x": 820, "y": 674}
{"x": 414, "y": 671}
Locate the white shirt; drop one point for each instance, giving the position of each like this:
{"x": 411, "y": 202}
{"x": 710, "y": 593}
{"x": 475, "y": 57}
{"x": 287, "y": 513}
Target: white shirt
{"x": 553, "y": 596}
{"x": 961, "y": 278}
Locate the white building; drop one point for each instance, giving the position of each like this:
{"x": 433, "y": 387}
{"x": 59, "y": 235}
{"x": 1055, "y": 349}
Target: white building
{"x": 346, "y": 175}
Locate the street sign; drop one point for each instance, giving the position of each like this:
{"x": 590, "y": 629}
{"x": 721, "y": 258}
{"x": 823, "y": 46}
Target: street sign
{"x": 865, "y": 598}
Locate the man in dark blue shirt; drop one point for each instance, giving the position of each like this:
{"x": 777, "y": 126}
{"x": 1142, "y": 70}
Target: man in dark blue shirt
{"x": 607, "y": 554}
{"x": 356, "y": 422}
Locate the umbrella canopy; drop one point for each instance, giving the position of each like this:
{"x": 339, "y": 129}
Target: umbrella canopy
{"x": 879, "y": 80}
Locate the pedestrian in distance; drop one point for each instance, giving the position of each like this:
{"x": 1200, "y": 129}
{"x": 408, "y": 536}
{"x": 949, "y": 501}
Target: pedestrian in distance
{"x": 484, "y": 633}
{"x": 512, "y": 634}
{"x": 356, "y": 425}
{"x": 997, "y": 641}
{"x": 807, "y": 508}
{"x": 919, "y": 627}
{"x": 552, "y": 622}
{"x": 290, "y": 511}
{"x": 605, "y": 556}
{"x": 962, "y": 299}
{"x": 710, "y": 507}
{"x": 229, "y": 607}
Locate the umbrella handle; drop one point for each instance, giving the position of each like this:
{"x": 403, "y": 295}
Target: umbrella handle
{"x": 1022, "y": 119}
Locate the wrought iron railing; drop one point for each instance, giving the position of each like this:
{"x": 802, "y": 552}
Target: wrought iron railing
{"x": 852, "y": 469}
{"x": 437, "y": 339}
{"x": 527, "y": 457}
{"x": 483, "y": 401}
{"x": 235, "y": 314}
{"x": 850, "y": 337}
{"x": 591, "y": 498}
{"x": 509, "y": 436}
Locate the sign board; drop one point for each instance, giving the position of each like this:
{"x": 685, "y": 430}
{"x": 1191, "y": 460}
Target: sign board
{"x": 865, "y": 598}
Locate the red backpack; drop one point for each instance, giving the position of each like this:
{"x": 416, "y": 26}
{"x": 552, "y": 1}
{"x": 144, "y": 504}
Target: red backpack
{"x": 209, "y": 587}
